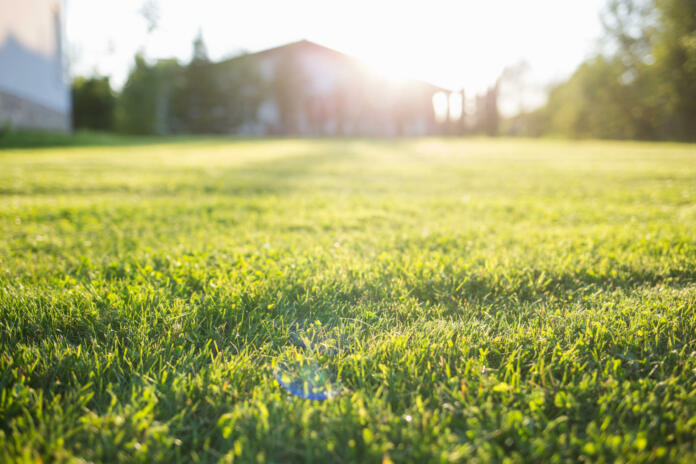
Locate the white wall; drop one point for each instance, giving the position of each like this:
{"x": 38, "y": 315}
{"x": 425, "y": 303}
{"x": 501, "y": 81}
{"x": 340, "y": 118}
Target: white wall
{"x": 31, "y": 52}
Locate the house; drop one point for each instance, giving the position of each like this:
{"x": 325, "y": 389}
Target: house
{"x": 34, "y": 86}
{"x": 306, "y": 89}
{"x": 298, "y": 89}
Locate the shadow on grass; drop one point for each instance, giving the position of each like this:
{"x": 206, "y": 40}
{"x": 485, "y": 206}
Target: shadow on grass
{"x": 252, "y": 315}
{"x": 268, "y": 177}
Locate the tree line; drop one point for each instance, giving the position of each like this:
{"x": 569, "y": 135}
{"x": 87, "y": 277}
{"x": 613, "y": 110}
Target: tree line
{"x": 640, "y": 85}
{"x": 203, "y": 97}
{"x": 167, "y": 97}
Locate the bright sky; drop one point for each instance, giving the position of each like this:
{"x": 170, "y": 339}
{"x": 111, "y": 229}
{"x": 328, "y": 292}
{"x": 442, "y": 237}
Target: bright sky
{"x": 454, "y": 44}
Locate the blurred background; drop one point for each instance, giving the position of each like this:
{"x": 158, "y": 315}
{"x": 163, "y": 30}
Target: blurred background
{"x": 620, "y": 69}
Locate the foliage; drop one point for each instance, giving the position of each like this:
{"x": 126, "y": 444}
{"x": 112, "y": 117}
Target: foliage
{"x": 242, "y": 91}
{"x": 487, "y": 117}
{"x": 142, "y": 105}
{"x": 93, "y": 103}
{"x": 593, "y": 103}
{"x": 507, "y": 300}
{"x": 675, "y": 57}
{"x": 200, "y": 98}
{"x": 197, "y": 102}
{"x": 643, "y": 86}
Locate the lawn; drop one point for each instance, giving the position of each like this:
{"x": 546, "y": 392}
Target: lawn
{"x": 460, "y": 300}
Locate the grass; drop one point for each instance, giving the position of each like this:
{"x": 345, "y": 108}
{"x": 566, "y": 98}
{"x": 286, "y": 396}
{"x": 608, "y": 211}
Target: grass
{"x": 498, "y": 300}
{"x": 23, "y": 139}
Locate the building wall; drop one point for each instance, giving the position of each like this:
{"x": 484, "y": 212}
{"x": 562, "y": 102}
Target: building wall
{"x": 23, "y": 113}
{"x": 34, "y": 86}
{"x": 328, "y": 93}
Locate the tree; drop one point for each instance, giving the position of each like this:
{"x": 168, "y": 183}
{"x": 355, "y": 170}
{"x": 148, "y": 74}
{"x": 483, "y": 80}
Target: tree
{"x": 513, "y": 93}
{"x": 642, "y": 85}
{"x": 487, "y": 116}
{"x": 93, "y": 103}
{"x": 655, "y": 42}
{"x": 463, "y": 123}
{"x": 150, "y": 12}
{"x": 674, "y": 51}
{"x": 513, "y": 86}
{"x": 241, "y": 91}
{"x": 198, "y": 103}
{"x": 200, "y": 98}
{"x": 631, "y": 27}
{"x": 586, "y": 105}
{"x": 143, "y": 105}
{"x": 135, "y": 112}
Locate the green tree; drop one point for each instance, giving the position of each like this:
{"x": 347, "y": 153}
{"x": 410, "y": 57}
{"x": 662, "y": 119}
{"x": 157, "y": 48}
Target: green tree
{"x": 642, "y": 85}
{"x": 487, "y": 116}
{"x": 674, "y": 52}
{"x": 592, "y": 103}
{"x": 241, "y": 91}
{"x": 143, "y": 107}
{"x": 198, "y": 102}
{"x": 93, "y": 103}
{"x": 137, "y": 105}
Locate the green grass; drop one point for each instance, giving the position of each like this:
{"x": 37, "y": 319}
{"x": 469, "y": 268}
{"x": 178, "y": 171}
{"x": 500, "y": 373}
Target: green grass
{"x": 520, "y": 300}
{"x": 37, "y": 139}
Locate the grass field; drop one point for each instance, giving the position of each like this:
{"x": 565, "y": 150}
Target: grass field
{"x": 494, "y": 300}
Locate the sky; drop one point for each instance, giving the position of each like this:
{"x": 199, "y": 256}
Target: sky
{"x": 462, "y": 44}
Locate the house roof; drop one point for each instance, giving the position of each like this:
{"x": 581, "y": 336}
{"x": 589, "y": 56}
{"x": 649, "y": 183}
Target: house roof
{"x": 309, "y": 45}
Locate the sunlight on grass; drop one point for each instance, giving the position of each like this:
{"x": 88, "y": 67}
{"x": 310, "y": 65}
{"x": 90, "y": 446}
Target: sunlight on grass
{"x": 469, "y": 299}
